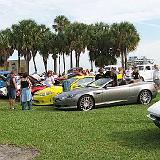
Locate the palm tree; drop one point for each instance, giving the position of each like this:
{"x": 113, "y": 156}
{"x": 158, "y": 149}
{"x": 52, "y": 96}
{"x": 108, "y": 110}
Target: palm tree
{"x": 125, "y": 39}
{"x": 36, "y": 33}
{"x": 17, "y": 41}
{"x": 100, "y": 45}
{"x": 6, "y": 48}
{"x": 78, "y": 39}
{"x": 60, "y": 22}
{"x": 24, "y": 38}
{"x": 45, "y": 46}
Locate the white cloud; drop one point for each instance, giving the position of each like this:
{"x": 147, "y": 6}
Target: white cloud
{"x": 90, "y": 11}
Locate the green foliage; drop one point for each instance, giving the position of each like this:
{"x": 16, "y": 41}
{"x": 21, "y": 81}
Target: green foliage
{"x": 104, "y": 42}
{"x": 125, "y": 39}
{"x": 100, "y": 45}
{"x": 119, "y": 132}
{"x": 6, "y": 48}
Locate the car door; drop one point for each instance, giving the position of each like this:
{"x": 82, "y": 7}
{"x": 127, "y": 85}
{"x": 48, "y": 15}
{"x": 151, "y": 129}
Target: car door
{"x": 116, "y": 94}
{"x": 149, "y": 73}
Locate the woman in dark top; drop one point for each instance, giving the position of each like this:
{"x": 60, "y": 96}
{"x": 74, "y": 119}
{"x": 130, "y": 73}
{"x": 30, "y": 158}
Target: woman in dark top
{"x": 135, "y": 73}
{"x": 26, "y": 96}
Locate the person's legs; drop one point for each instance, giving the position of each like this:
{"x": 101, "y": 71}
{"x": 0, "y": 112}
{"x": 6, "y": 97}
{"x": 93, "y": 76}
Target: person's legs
{"x": 23, "y": 105}
{"x": 13, "y": 103}
{"x": 10, "y": 98}
{"x": 10, "y": 103}
{"x": 29, "y": 104}
{"x": 13, "y": 98}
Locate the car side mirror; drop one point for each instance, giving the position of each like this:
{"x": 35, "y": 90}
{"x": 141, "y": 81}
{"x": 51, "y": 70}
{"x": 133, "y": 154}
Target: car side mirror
{"x": 74, "y": 86}
{"x": 108, "y": 85}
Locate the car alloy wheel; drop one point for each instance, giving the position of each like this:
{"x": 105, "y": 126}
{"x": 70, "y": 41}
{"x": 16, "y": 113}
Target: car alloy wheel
{"x": 86, "y": 103}
{"x": 145, "y": 97}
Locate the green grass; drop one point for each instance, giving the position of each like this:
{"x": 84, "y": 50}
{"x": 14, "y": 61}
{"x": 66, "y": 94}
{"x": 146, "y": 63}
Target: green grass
{"x": 120, "y": 132}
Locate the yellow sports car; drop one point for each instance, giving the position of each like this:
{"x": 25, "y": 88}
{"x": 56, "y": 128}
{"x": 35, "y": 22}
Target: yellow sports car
{"x": 45, "y": 96}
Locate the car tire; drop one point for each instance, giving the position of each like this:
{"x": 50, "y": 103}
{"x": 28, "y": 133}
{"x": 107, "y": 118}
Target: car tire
{"x": 145, "y": 97}
{"x": 157, "y": 123}
{"x": 85, "y": 103}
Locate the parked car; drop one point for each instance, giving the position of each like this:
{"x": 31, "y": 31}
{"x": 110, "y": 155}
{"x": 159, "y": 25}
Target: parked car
{"x": 146, "y": 72}
{"x": 102, "y": 93}
{"x": 4, "y": 92}
{"x": 4, "y": 73}
{"x": 45, "y": 96}
{"x": 36, "y": 86}
{"x": 2, "y": 81}
{"x": 154, "y": 113}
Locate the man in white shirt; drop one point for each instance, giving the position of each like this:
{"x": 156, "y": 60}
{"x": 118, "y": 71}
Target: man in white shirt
{"x": 156, "y": 78}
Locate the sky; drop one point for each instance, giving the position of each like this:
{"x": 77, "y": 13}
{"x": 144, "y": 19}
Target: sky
{"x": 144, "y": 14}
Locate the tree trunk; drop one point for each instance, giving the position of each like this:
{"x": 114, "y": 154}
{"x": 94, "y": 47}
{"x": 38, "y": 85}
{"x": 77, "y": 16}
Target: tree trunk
{"x": 64, "y": 64}
{"x": 122, "y": 59}
{"x": 78, "y": 58}
{"x": 55, "y": 65}
{"x": 45, "y": 64}
{"x": 125, "y": 58}
{"x": 27, "y": 66}
{"x": 76, "y": 54}
{"x": 71, "y": 60}
{"x": 59, "y": 64}
{"x": 91, "y": 65}
{"x": 19, "y": 61}
{"x": 35, "y": 67}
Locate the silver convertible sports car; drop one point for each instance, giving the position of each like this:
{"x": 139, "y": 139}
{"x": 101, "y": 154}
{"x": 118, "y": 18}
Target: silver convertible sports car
{"x": 103, "y": 93}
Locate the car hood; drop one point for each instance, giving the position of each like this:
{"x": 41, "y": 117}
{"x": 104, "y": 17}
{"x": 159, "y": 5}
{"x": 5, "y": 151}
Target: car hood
{"x": 155, "y": 108}
{"x": 80, "y": 91}
{"x": 49, "y": 89}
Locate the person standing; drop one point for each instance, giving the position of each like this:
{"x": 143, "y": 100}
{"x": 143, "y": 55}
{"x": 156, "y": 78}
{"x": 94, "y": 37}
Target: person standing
{"x": 136, "y": 75}
{"x": 114, "y": 76}
{"x": 26, "y": 96}
{"x": 156, "y": 77}
{"x": 49, "y": 80}
{"x": 100, "y": 74}
{"x": 11, "y": 89}
{"x": 66, "y": 85}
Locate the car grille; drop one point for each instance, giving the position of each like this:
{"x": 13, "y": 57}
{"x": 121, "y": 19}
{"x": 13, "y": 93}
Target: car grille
{"x": 57, "y": 99}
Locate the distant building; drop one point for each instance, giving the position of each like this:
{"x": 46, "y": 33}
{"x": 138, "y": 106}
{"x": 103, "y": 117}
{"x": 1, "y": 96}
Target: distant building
{"x": 134, "y": 61}
{"x": 13, "y": 66}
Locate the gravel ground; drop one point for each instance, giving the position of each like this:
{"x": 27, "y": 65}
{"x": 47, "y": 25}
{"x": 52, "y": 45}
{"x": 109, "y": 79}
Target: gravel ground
{"x": 11, "y": 152}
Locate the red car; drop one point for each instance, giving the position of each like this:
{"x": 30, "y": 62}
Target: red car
{"x": 36, "y": 86}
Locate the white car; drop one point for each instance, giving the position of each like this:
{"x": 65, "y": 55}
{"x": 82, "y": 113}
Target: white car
{"x": 146, "y": 72}
{"x": 3, "y": 91}
{"x": 154, "y": 113}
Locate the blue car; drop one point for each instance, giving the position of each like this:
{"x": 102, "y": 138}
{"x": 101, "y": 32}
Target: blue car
{"x": 4, "y": 73}
{"x": 2, "y": 81}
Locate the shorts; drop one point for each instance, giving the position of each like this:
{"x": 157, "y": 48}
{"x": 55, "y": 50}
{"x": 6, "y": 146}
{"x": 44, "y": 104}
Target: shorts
{"x": 157, "y": 82}
{"x": 11, "y": 93}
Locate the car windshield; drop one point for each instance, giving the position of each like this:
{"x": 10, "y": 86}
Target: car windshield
{"x": 71, "y": 80}
{"x": 99, "y": 83}
{"x": 84, "y": 81}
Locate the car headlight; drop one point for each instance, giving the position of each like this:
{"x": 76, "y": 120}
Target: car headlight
{"x": 71, "y": 95}
{"x": 45, "y": 94}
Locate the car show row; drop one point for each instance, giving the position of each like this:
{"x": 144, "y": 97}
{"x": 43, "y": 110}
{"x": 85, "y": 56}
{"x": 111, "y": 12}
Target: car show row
{"x": 85, "y": 92}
